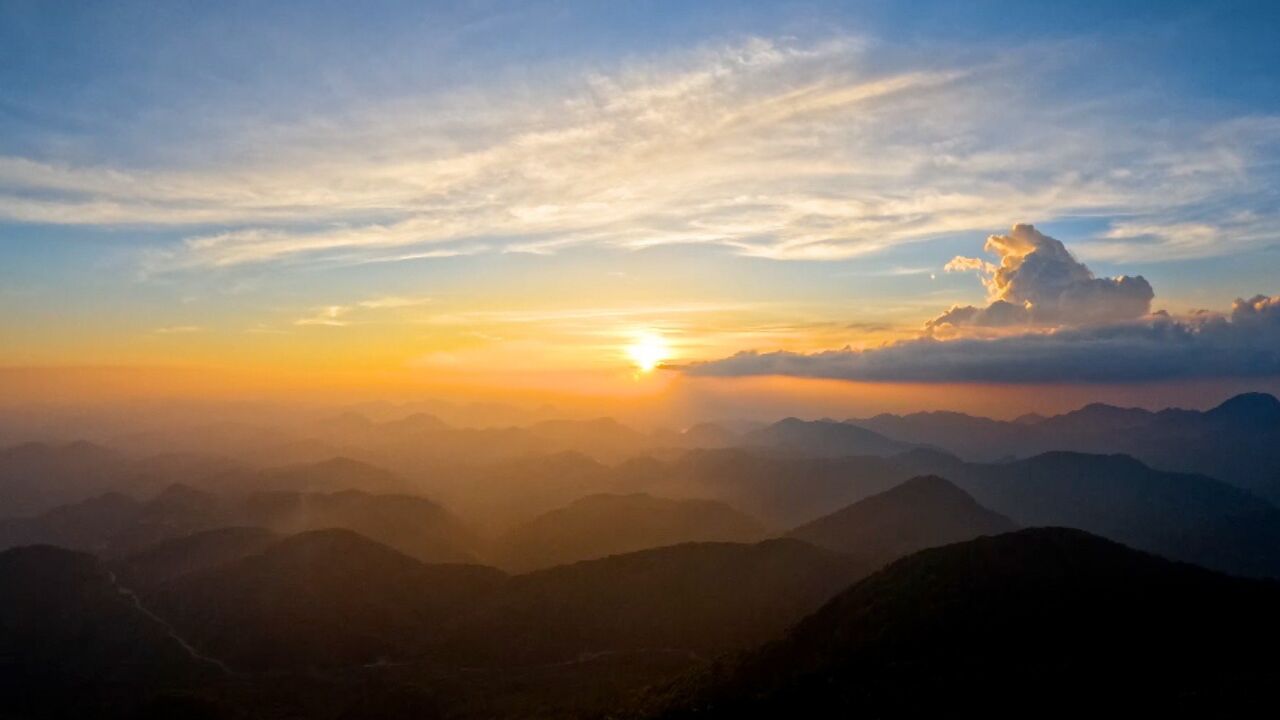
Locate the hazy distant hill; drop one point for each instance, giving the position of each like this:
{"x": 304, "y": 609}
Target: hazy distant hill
{"x": 702, "y": 598}
{"x": 327, "y": 598}
{"x": 167, "y": 560}
{"x": 72, "y": 642}
{"x": 921, "y": 513}
{"x": 1237, "y": 441}
{"x": 115, "y": 525}
{"x": 413, "y": 525}
{"x": 823, "y": 438}
{"x": 782, "y": 491}
{"x": 501, "y": 495}
{"x": 600, "y": 525}
{"x": 330, "y": 475}
{"x": 1042, "y": 622}
{"x": 1181, "y": 516}
{"x": 35, "y": 477}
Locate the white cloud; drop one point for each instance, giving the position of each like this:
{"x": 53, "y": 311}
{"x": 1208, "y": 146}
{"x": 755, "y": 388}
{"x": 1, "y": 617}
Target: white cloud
{"x": 1049, "y": 320}
{"x": 341, "y": 315}
{"x": 1039, "y": 282}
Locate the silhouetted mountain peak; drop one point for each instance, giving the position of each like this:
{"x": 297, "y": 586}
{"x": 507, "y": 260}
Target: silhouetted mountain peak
{"x": 826, "y": 437}
{"x": 1066, "y": 459}
{"x": 922, "y": 512}
{"x": 334, "y": 543}
{"x": 1259, "y": 409}
{"x": 185, "y": 496}
{"x": 926, "y": 455}
{"x": 1108, "y": 415}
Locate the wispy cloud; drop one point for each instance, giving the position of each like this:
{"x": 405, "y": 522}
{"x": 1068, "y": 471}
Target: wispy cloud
{"x": 341, "y": 315}
{"x": 329, "y": 316}
{"x": 771, "y": 149}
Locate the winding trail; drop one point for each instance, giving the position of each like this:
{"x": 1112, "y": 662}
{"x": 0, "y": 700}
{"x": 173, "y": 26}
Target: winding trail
{"x": 195, "y": 654}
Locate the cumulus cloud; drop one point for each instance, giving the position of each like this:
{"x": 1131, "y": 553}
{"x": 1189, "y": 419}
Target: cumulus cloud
{"x": 1062, "y": 324}
{"x": 1039, "y": 282}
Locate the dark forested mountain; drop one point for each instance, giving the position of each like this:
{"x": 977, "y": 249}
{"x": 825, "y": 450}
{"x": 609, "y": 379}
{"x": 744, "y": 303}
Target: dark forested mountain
{"x": 327, "y": 598}
{"x": 699, "y": 598}
{"x": 1237, "y": 441}
{"x": 72, "y": 640}
{"x": 920, "y": 513}
{"x": 1046, "y": 622}
{"x": 600, "y": 525}
{"x": 1181, "y": 516}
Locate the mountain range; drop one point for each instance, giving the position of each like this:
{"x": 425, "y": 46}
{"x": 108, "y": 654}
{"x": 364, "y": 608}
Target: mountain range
{"x": 1237, "y": 441}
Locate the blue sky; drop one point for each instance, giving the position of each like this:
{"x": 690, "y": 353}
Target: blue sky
{"x": 214, "y": 172}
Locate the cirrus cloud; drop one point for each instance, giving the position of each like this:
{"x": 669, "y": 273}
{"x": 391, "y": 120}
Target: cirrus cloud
{"x": 769, "y": 148}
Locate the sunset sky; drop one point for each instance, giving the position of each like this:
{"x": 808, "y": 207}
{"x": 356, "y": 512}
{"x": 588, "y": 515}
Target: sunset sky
{"x": 551, "y": 200}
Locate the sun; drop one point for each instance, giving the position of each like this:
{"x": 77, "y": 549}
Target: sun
{"x": 648, "y": 351}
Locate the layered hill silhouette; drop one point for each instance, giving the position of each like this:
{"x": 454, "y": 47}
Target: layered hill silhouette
{"x": 115, "y": 525}
{"x": 1050, "y": 622}
{"x": 920, "y": 513}
{"x": 321, "y": 599}
{"x": 600, "y": 525}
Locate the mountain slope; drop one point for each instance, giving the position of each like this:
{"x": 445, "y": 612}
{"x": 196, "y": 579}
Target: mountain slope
{"x": 702, "y": 598}
{"x": 72, "y": 643}
{"x": 193, "y": 553}
{"x": 321, "y": 599}
{"x": 600, "y": 525}
{"x": 1041, "y": 622}
{"x": 923, "y": 512}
